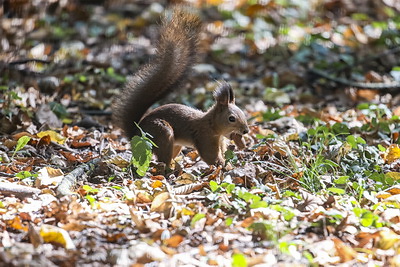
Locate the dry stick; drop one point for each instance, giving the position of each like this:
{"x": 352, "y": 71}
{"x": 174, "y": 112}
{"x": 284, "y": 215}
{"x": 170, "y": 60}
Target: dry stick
{"x": 27, "y": 60}
{"x": 69, "y": 180}
{"x": 373, "y": 86}
{"x": 20, "y": 191}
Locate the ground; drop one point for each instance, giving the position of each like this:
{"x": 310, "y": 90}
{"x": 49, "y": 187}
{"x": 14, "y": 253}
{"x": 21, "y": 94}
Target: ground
{"x": 316, "y": 183}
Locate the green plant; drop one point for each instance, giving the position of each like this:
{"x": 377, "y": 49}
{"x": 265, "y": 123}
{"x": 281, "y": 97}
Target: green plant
{"x": 21, "y": 143}
{"x": 25, "y": 174}
{"x": 141, "y": 147}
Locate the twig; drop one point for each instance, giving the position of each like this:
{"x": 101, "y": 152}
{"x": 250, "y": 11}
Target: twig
{"x": 20, "y": 191}
{"x": 63, "y": 147}
{"x": 4, "y": 174}
{"x": 27, "y": 60}
{"x": 69, "y": 180}
{"x": 373, "y": 86}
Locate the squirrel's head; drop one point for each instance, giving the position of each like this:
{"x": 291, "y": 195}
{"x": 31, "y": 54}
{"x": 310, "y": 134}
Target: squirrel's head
{"x": 229, "y": 118}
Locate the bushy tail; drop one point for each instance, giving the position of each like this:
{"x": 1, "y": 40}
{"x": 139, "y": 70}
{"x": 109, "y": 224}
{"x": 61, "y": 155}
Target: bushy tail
{"x": 176, "y": 53}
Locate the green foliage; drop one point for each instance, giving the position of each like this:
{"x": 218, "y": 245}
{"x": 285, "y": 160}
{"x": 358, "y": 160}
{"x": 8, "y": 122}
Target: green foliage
{"x": 264, "y": 231}
{"x": 59, "y": 110}
{"x": 25, "y": 174}
{"x": 196, "y": 218}
{"x": 367, "y": 218}
{"x": 8, "y": 99}
{"x": 271, "y": 114}
{"x": 241, "y": 199}
{"x": 89, "y": 189}
{"x": 228, "y": 221}
{"x": 141, "y": 147}
{"x": 111, "y": 73}
{"x": 337, "y": 191}
{"x": 21, "y": 143}
{"x": 231, "y": 157}
{"x": 91, "y": 199}
{"x": 239, "y": 260}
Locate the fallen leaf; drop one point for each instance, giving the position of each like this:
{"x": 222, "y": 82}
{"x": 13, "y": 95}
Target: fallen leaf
{"x": 393, "y": 175}
{"x": 393, "y": 153}
{"x": 54, "y": 136}
{"x": 387, "y": 239}
{"x": 174, "y": 241}
{"x": 157, "y": 184}
{"x": 345, "y": 252}
{"x": 48, "y": 176}
{"x": 51, "y": 233}
{"x": 160, "y": 203}
{"x": 16, "y": 223}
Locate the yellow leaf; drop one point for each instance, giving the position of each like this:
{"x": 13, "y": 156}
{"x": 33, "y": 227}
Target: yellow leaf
{"x": 16, "y": 223}
{"x": 214, "y": 2}
{"x": 187, "y": 212}
{"x": 393, "y": 153}
{"x": 51, "y": 233}
{"x": 383, "y": 195}
{"x": 394, "y": 190}
{"x": 387, "y": 240}
{"x": 156, "y": 184}
{"x": 393, "y": 175}
{"x": 54, "y": 136}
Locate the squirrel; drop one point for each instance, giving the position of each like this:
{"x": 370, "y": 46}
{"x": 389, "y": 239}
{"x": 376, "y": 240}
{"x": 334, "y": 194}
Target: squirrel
{"x": 175, "y": 125}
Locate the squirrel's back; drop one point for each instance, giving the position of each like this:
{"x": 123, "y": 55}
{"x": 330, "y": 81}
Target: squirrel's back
{"x": 175, "y": 55}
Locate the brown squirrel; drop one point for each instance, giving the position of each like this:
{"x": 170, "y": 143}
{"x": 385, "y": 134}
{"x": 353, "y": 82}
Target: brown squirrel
{"x": 174, "y": 125}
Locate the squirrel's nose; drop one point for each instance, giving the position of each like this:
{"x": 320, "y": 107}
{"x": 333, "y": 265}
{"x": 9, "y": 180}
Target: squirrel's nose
{"x": 245, "y": 131}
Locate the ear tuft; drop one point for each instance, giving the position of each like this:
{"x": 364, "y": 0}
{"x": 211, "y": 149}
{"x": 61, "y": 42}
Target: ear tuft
{"x": 224, "y": 94}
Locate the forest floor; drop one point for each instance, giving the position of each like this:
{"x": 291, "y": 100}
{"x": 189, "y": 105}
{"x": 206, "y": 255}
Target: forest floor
{"x": 317, "y": 182}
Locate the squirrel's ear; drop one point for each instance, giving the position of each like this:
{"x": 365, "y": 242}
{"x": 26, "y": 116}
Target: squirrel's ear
{"x": 224, "y": 94}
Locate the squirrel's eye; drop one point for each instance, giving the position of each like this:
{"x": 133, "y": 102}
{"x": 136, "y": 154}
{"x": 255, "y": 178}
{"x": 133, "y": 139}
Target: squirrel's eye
{"x": 232, "y": 119}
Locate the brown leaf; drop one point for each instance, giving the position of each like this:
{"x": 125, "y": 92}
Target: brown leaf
{"x": 160, "y": 203}
{"x": 189, "y": 188}
{"x": 113, "y": 238}
{"x": 174, "y": 241}
{"x": 16, "y": 223}
{"x": 345, "y": 252}
{"x": 247, "y": 222}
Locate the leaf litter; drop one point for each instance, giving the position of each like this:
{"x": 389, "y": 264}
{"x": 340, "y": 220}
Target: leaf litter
{"x": 316, "y": 181}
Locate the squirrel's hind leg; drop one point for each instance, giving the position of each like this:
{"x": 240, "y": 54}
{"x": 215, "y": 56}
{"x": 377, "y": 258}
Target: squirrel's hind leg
{"x": 163, "y": 136}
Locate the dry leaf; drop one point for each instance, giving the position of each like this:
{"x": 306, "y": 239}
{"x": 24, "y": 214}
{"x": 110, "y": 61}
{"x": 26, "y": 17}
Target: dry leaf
{"x": 48, "y": 175}
{"x": 51, "y": 233}
{"x": 143, "y": 197}
{"x": 54, "y": 136}
{"x": 118, "y": 161}
{"x": 393, "y": 175}
{"x": 393, "y": 153}
{"x": 189, "y": 188}
{"x": 387, "y": 239}
{"x": 160, "y": 203}
{"x": 157, "y": 184}
{"x": 174, "y": 241}
{"x": 345, "y": 252}
{"x": 16, "y": 223}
